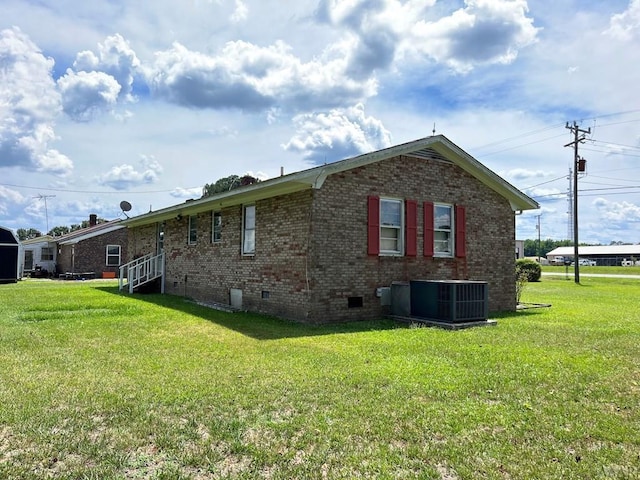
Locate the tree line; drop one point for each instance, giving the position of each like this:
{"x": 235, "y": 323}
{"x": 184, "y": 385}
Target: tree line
{"x": 27, "y": 233}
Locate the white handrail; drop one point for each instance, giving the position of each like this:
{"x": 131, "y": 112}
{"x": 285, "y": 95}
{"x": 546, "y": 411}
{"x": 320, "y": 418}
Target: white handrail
{"x": 142, "y": 270}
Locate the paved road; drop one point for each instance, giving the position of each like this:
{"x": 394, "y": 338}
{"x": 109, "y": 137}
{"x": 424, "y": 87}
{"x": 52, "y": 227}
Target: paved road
{"x": 605, "y": 275}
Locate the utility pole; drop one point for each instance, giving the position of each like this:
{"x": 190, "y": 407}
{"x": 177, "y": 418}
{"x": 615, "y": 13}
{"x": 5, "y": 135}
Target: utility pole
{"x": 578, "y": 166}
{"x": 46, "y": 212}
{"x": 570, "y": 205}
{"x": 538, "y": 228}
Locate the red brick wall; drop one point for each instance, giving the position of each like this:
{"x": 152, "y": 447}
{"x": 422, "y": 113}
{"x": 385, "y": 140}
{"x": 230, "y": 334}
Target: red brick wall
{"x": 311, "y": 246}
{"x": 90, "y": 254}
{"x": 206, "y": 271}
{"x": 342, "y": 268}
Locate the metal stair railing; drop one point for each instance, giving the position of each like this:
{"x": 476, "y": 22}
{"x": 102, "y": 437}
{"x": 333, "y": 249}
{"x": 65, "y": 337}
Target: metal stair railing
{"x": 142, "y": 270}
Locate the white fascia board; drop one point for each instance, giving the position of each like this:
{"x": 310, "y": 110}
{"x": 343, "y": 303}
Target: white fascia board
{"x": 88, "y": 235}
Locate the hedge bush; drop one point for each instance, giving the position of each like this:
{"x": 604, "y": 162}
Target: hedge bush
{"x": 530, "y": 268}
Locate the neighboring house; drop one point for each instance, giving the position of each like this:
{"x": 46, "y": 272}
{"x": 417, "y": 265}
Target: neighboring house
{"x": 9, "y": 256}
{"x": 97, "y": 250}
{"x": 607, "y": 255}
{"x": 519, "y": 249}
{"x": 317, "y": 245}
{"x": 39, "y": 256}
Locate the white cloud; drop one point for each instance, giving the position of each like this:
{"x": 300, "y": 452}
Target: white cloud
{"x": 186, "y": 192}
{"x": 375, "y": 31}
{"x": 524, "y": 174}
{"x": 619, "y": 213}
{"x": 483, "y": 32}
{"x": 84, "y": 94}
{"x": 625, "y": 26}
{"x": 240, "y": 13}
{"x": 252, "y": 78}
{"x": 339, "y": 134}
{"x": 123, "y": 177}
{"x": 116, "y": 58}
{"x": 29, "y": 104}
{"x": 9, "y": 198}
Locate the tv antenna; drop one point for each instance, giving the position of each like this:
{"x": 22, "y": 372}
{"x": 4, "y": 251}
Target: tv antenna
{"x": 125, "y": 207}
{"x": 46, "y": 211}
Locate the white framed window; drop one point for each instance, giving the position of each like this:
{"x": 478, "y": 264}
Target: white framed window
{"x": 193, "y": 230}
{"x": 216, "y": 227}
{"x": 113, "y": 255}
{"x": 443, "y": 230}
{"x": 46, "y": 253}
{"x": 391, "y": 226}
{"x": 249, "y": 230}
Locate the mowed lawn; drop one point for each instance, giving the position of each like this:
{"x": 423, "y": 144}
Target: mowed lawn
{"x": 95, "y": 384}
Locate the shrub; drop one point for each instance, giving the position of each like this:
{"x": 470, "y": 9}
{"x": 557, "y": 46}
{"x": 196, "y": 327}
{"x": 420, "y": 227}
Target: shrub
{"x": 521, "y": 282}
{"x": 529, "y": 268}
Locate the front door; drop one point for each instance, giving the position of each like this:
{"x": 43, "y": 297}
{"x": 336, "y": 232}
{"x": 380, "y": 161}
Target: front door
{"x": 28, "y": 259}
{"x": 160, "y": 240}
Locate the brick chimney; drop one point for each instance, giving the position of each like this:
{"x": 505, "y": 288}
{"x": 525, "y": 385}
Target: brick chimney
{"x": 93, "y": 220}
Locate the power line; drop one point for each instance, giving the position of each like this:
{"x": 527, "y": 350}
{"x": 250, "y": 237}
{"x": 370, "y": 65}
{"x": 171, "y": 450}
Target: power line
{"x": 119, "y": 192}
{"x": 635, "y": 147}
{"x": 544, "y": 183}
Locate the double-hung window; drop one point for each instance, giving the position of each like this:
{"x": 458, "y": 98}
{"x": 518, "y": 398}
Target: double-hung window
{"x": 391, "y": 227}
{"x": 46, "y": 253}
{"x": 193, "y": 229}
{"x": 249, "y": 230}
{"x": 216, "y": 229}
{"x": 443, "y": 230}
{"x": 113, "y": 255}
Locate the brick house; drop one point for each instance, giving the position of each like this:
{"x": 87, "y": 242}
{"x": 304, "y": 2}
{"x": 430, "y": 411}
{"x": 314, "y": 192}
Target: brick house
{"x": 314, "y": 246}
{"x": 97, "y": 250}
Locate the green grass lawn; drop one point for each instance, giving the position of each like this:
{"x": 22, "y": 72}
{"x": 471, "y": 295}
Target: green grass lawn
{"x": 94, "y": 384}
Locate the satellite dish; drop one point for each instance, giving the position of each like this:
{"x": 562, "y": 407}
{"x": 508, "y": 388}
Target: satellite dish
{"x": 125, "y": 207}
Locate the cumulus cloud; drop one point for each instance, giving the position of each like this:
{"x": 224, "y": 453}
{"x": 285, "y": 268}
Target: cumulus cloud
{"x": 617, "y": 213}
{"x": 626, "y": 25}
{"x": 339, "y": 134}
{"x": 240, "y": 13}
{"x": 483, "y": 32}
{"x": 195, "y": 192}
{"x": 29, "y": 104}
{"x": 375, "y": 27}
{"x": 252, "y": 78}
{"x": 9, "y": 198}
{"x": 123, "y": 177}
{"x": 84, "y": 94}
{"x": 116, "y": 58}
{"x": 97, "y": 81}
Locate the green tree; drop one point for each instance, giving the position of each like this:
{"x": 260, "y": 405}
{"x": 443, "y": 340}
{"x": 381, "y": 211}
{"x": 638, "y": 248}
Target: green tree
{"x": 59, "y": 231}
{"x": 227, "y": 183}
{"x": 24, "y": 234}
{"x": 546, "y": 245}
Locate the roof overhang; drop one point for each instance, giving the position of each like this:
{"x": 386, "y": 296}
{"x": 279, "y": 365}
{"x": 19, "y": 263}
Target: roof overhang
{"x": 437, "y": 148}
{"x": 88, "y": 235}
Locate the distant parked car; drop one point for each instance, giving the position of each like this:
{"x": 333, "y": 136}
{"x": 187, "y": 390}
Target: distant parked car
{"x": 585, "y": 262}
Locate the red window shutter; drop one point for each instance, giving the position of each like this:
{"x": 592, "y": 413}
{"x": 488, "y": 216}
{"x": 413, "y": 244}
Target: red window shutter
{"x": 428, "y": 229}
{"x": 461, "y": 232}
{"x": 373, "y": 244}
{"x": 411, "y": 228}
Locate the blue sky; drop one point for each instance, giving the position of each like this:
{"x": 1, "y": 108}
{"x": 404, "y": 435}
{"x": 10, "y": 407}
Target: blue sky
{"x": 105, "y": 101}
